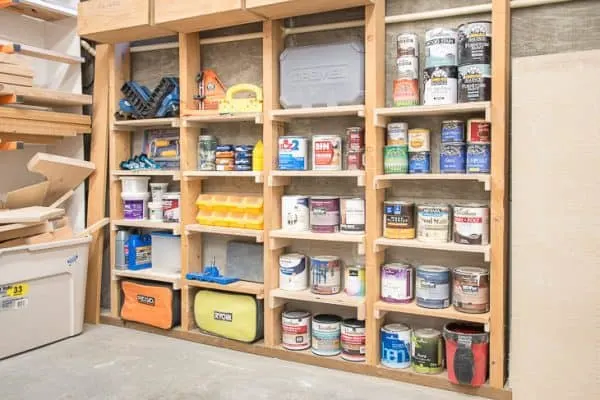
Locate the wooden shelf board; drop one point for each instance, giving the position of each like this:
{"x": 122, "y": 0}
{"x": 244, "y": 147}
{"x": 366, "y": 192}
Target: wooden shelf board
{"x": 381, "y": 307}
{"x": 327, "y": 237}
{"x": 256, "y": 175}
{"x": 39, "y": 9}
{"x": 283, "y": 178}
{"x": 219, "y": 230}
{"x": 199, "y": 118}
{"x": 147, "y": 224}
{"x": 382, "y": 242}
{"x": 384, "y": 181}
{"x": 317, "y": 112}
{"x": 253, "y": 288}
{"x": 148, "y": 172}
{"x": 341, "y": 299}
{"x": 151, "y": 275}
{"x": 31, "y": 51}
{"x": 292, "y": 8}
{"x": 44, "y": 97}
{"x": 383, "y": 115}
{"x": 145, "y": 123}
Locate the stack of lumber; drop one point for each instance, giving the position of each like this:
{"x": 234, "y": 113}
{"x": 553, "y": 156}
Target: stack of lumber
{"x": 14, "y": 71}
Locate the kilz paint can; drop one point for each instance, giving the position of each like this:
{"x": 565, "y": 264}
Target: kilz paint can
{"x": 475, "y": 43}
{"x": 479, "y": 131}
{"x": 471, "y": 224}
{"x": 478, "y": 158}
{"x": 397, "y": 134}
{"x": 433, "y": 223}
{"x": 395, "y": 159}
{"x": 453, "y": 158}
{"x": 355, "y": 139}
{"x": 324, "y": 214}
{"x": 207, "y": 146}
{"x": 352, "y": 215}
{"x": 327, "y": 153}
{"x": 295, "y": 215}
{"x": 326, "y": 274}
{"x": 453, "y": 131}
{"x": 295, "y": 329}
{"x": 353, "y": 340}
{"x": 354, "y": 282}
{"x": 398, "y": 220}
{"x": 419, "y": 162}
{"x": 397, "y": 282}
{"x": 441, "y": 47}
{"x": 471, "y": 290}
{"x": 427, "y": 351}
{"x": 440, "y": 85}
{"x": 407, "y": 67}
{"x": 432, "y": 286}
{"x": 407, "y": 44}
{"x": 326, "y": 331}
{"x": 474, "y": 83}
{"x": 293, "y": 272}
{"x": 419, "y": 140}
{"x": 406, "y": 92}
{"x": 395, "y": 346}
{"x": 293, "y": 153}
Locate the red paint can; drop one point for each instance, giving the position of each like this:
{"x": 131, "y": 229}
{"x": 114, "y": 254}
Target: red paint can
{"x": 467, "y": 348}
{"x": 479, "y": 131}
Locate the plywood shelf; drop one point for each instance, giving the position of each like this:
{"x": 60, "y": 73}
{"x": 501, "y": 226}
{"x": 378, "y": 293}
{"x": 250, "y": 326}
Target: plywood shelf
{"x": 219, "y": 230}
{"x": 281, "y": 238}
{"x": 151, "y": 275}
{"x": 36, "y": 52}
{"x": 278, "y": 9}
{"x": 382, "y": 307}
{"x": 384, "y": 115}
{"x": 280, "y": 297}
{"x": 283, "y": 178}
{"x": 289, "y": 114}
{"x": 385, "y": 181}
{"x": 253, "y": 288}
{"x": 382, "y": 243}
{"x": 176, "y": 175}
{"x": 200, "y": 118}
{"x": 39, "y": 9}
{"x": 44, "y": 97}
{"x": 134, "y": 124}
{"x": 256, "y": 175}
{"x": 148, "y": 224}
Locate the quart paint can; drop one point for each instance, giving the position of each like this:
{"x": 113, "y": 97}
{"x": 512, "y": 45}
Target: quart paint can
{"x": 453, "y": 131}
{"x": 397, "y": 134}
{"x": 293, "y": 272}
{"x": 407, "y": 44}
{"x": 293, "y": 153}
{"x": 474, "y": 83}
{"x": 207, "y": 147}
{"x": 398, "y": 220}
{"x": 353, "y": 340}
{"x": 432, "y": 286}
{"x": 467, "y": 347}
{"x": 406, "y": 92}
{"x": 395, "y": 346}
{"x": 441, "y": 47}
{"x": 471, "y": 224}
{"x": 171, "y": 206}
{"x": 475, "y": 43}
{"x": 326, "y": 275}
{"x": 479, "y": 158}
{"x": 327, "y": 153}
{"x": 355, "y": 139}
{"x": 427, "y": 351}
{"x": 419, "y": 140}
{"x": 352, "y": 215}
{"x": 395, "y": 159}
{"x": 397, "y": 282}
{"x": 326, "y": 331}
{"x": 355, "y": 280}
{"x": 295, "y": 329}
{"x": 419, "y": 162}
{"x": 407, "y": 67}
{"x": 324, "y": 214}
{"x": 479, "y": 131}
{"x": 471, "y": 290}
{"x": 355, "y": 160}
{"x": 440, "y": 85}
{"x": 453, "y": 158}
{"x": 433, "y": 223}
{"x": 295, "y": 214}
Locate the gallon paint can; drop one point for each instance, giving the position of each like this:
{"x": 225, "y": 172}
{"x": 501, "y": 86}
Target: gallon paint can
{"x": 474, "y": 83}
{"x": 295, "y": 214}
{"x": 406, "y": 92}
{"x": 326, "y": 331}
{"x": 471, "y": 224}
{"x": 353, "y": 340}
{"x": 441, "y": 47}
{"x": 432, "y": 286}
{"x": 295, "y": 328}
{"x": 395, "y": 159}
{"x": 407, "y": 44}
{"x": 355, "y": 280}
{"x": 397, "y": 134}
{"x": 479, "y": 131}
{"x": 395, "y": 346}
{"x": 475, "y": 43}
{"x": 324, "y": 214}
{"x": 326, "y": 275}
{"x": 467, "y": 347}
{"x": 453, "y": 158}
{"x": 453, "y": 131}
{"x": 440, "y": 85}
{"x": 398, "y": 220}
{"x": 355, "y": 139}
{"x": 433, "y": 223}
{"x": 427, "y": 351}
{"x": 407, "y": 67}
{"x": 397, "y": 282}
{"x": 293, "y": 272}
{"x": 327, "y": 153}
{"x": 419, "y": 162}
{"x": 471, "y": 290}
{"x": 479, "y": 158}
{"x": 352, "y": 215}
{"x": 121, "y": 250}
{"x": 293, "y": 153}
{"x": 419, "y": 140}
{"x": 207, "y": 147}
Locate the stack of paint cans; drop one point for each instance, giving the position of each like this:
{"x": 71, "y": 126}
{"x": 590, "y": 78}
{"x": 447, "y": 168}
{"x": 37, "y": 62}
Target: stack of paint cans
{"x": 355, "y": 148}
{"x": 243, "y": 157}
{"x": 225, "y": 157}
{"x": 406, "y": 84}
{"x": 419, "y": 151}
{"x": 474, "y": 61}
{"x": 478, "y": 147}
{"x": 395, "y": 153}
{"x": 453, "y": 155}
{"x": 440, "y": 77}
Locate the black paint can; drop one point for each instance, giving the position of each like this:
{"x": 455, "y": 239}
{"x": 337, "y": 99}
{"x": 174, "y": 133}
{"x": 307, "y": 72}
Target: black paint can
{"x": 475, "y": 43}
{"x": 474, "y": 83}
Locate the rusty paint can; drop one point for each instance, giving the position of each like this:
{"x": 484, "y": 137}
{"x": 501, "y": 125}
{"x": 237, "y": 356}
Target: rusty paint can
{"x": 398, "y": 220}
{"x": 471, "y": 290}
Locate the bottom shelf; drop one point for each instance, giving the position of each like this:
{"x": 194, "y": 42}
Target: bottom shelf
{"x": 253, "y": 288}
{"x": 151, "y": 275}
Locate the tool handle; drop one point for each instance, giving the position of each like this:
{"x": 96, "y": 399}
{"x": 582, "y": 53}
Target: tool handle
{"x": 244, "y": 87}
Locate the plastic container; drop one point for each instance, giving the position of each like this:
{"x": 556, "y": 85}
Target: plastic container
{"x": 235, "y": 220}
{"x": 135, "y": 205}
{"x": 134, "y": 184}
{"x": 171, "y": 206}
{"x": 204, "y": 202}
{"x": 253, "y": 205}
{"x": 139, "y": 252}
{"x": 204, "y": 217}
{"x": 256, "y": 222}
{"x": 158, "y": 190}
{"x": 121, "y": 249}
{"x": 467, "y": 348}
{"x": 219, "y": 218}
{"x": 258, "y": 158}
{"x": 155, "y": 209}
{"x": 166, "y": 252}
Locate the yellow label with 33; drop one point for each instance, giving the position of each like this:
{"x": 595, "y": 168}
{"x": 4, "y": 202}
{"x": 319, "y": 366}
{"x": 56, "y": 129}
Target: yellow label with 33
{"x": 17, "y": 290}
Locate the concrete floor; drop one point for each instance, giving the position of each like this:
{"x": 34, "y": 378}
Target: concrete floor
{"x": 115, "y": 363}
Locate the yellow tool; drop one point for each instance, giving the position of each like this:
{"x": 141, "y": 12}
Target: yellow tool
{"x": 231, "y": 105}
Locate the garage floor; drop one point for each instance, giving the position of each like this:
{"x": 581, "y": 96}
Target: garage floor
{"x": 115, "y": 363}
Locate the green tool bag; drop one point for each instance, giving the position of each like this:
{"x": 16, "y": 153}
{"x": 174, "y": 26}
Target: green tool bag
{"x": 230, "y": 315}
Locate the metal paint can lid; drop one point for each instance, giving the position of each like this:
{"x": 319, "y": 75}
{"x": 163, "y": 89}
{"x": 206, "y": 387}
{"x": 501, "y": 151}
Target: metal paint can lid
{"x": 471, "y": 271}
{"x": 296, "y": 314}
{"x": 427, "y": 333}
{"x": 327, "y": 319}
{"x": 432, "y": 268}
{"x": 395, "y": 328}
{"x": 354, "y": 323}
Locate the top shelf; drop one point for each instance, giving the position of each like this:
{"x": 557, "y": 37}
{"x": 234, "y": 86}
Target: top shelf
{"x": 39, "y": 9}
{"x": 384, "y": 115}
{"x": 318, "y": 112}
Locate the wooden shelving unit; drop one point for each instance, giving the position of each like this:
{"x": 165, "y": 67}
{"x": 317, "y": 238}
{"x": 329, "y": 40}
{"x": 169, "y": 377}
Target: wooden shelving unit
{"x": 256, "y": 289}
{"x": 320, "y": 112}
{"x": 148, "y": 224}
{"x": 151, "y": 275}
{"x": 219, "y": 230}
{"x": 283, "y": 178}
{"x": 381, "y": 308}
{"x": 32, "y": 51}
{"x": 386, "y": 181}
{"x": 383, "y": 243}
{"x": 175, "y": 175}
{"x": 256, "y": 175}
{"x": 279, "y": 297}
{"x": 146, "y": 123}
{"x": 199, "y": 118}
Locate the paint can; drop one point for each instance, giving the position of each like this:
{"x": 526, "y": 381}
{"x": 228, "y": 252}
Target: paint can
{"x": 471, "y": 224}
{"x": 295, "y": 328}
{"x": 467, "y": 347}
{"x": 171, "y": 210}
{"x": 475, "y": 43}
{"x": 398, "y": 220}
{"x": 419, "y": 162}
{"x": 207, "y": 147}
{"x": 355, "y": 139}
{"x": 427, "y": 351}
{"x": 441, "y": 47}
{"x": 395, "y": 159}
{"x": 474, "y": 83}
{"x": 407, "y": 44}
{"x": 353, "y": 340}
{"x": 433, "y": 223}
{"x": 355, "y": 160}
{"x": 324, "y": 214}
{"x": 352, "y": 215}
{"x": 326, "y": 274}
{"x": 397, "y": 282}
{"x": 395, "y": 346}
{"x": 479, "y": 158}
{"x": 406, "y": 92}
{"x": 327, "y": 152}
{"x": 326, "y": 331}
{"x": 432, "y": 286}
{"x": 419, "y": 140}
{"x": 453, "y": 158}
{"x": 453, "y": 131}
{"x": 354, "y": 282}
{"x": 407, "y": 67}
{"x": 293, "y": 153}
{"x": 479, "y": 131}
{"x": 440, "y": 85}
{"x": 397, "y": 134}
{"x": 471, "y": 290}
{"x": 293, "y": 272}
{"x": 295, "y": 215}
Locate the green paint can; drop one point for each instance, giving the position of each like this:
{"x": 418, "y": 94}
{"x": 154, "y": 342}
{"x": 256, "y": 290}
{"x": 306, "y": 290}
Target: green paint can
{"x": 395, "y": 160}
{"x": 427, "y": 351}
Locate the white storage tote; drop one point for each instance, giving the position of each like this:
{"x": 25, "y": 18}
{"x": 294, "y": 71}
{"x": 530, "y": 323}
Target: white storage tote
{"x": 166, "y": 252}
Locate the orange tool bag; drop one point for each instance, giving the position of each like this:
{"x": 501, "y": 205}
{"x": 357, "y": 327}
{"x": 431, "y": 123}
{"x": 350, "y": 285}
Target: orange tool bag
{"x": 150, "y": 303}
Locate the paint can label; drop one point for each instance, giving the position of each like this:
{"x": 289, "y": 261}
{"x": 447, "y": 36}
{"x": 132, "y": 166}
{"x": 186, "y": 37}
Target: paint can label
{"x": 432, "y": 287}
{"x": 353, "y": 340}
{"x": 395, "y": 349}
{"x": 471, "y": 224}
{"x": 471, "y": 290}
{"x": 453, "y": 131}
{"x": 433, "y": 223}
{"x": 398, "y": 220}
{"x": 293, "y": 152}
{"x": 474, "y": 83}
{"x": 478, "y": 159}
{"x": 406, "y": 92}
{"x": 355, "y": 139}
{"x": 419, "y": 162}
{"x": 397, "y": 283}
{"x": 407, "y": 67}
{"x": 295, "y": 213}
{"x": 397, "y": 134}
{"x": 419, "y": 140}
{"x": 427, "y": 351}
{"x": 325, "y": 275}
{"x": 293, "y": 273}
{"x": 352, "y": 212}
{"x": 479, "y": 131}
{"x": 440, "y": 86}
{"x": 327, "y": 152}
{"x": 326, "y": 338}
{"x": 325, "y": 214}
{"x": 354, "y": 283}
{"x": 171, "y": 210}
{"x": 395, "y": 159}
{"x": 453, "y": 158}
{"x": 475, "y": 43}
{"x": 295, "y": 331}
{"x": 355, "y": 160}
{"x": 441, "y": 47}
{"x": 134, "y": 209}
{"x": 407, "y": 44}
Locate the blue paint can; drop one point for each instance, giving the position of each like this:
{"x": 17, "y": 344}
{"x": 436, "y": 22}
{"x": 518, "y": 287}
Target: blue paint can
{"x": 478, "y": 158}
{"x": 453, "y": 158}
{"x": 432, "y": 287}
{"x": 395, "y": 346}
{"x": 453, "y": 131}
{"x": 419, "y": 162}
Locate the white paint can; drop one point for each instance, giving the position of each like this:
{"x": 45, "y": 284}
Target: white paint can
{"x": 327, "y": 152}
{"x": 352, "y": 216}
{"x": 433, "y": 223}
{"x": 441, "y": 47}
{"x": 295, "y": 329}
{"x": 440, "y": 86}
{"x": 397, "y": 134}
{"x": 471, "y": 224}
{"x": 293, "y": 272}
{"x": 295, "y": 214}
{"x": 419, "y": 140}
